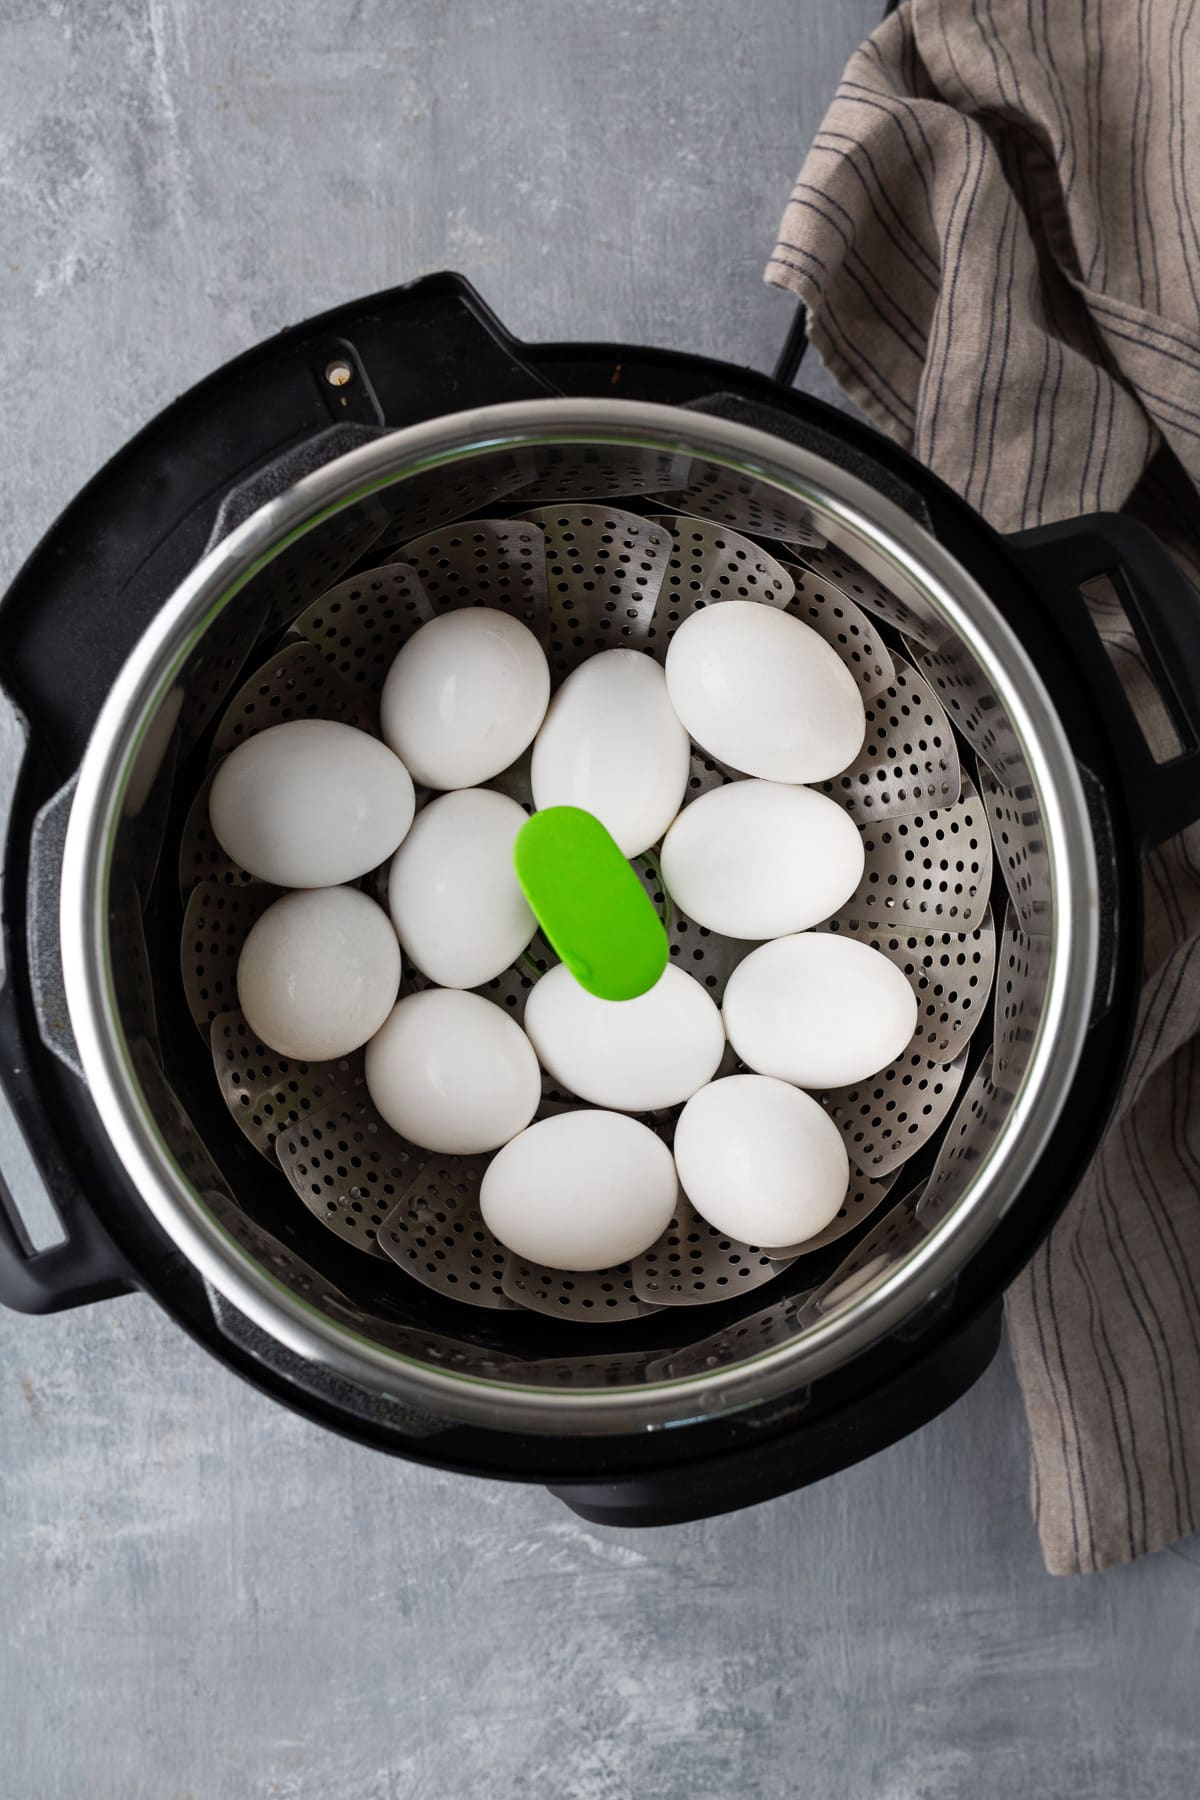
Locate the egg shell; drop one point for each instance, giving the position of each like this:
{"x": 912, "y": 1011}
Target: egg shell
{"x": 755, "y": 859}
{"x": 454, "y": 897}
{"x": 318, "y": 973}
{"x": 310, "y": 804}
{"x": 763, "y": 693}
{"x": 581, "y": 1191}
{"x": 819, "y": 1010}
{"x": 611, "y": 744}
{"x": 761, "y": 1161}
{"x": 630, "y": 1055}
{"x": 465, "y": 696}
{"x": 451, "y": 1072}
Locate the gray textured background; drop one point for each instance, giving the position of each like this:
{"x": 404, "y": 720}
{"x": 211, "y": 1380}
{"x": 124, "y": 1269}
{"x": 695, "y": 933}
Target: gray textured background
{"x": 202, "y": 1597}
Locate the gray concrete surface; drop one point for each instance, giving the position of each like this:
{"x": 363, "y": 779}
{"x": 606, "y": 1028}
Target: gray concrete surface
{"x": 203, "y": 1597}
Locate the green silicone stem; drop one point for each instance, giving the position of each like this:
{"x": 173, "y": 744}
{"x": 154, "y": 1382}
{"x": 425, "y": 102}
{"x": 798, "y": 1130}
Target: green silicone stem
{"x": 591, "y": 906}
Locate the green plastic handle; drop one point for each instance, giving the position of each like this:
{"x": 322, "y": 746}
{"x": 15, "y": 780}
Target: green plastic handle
{"x": 589, "y": 903}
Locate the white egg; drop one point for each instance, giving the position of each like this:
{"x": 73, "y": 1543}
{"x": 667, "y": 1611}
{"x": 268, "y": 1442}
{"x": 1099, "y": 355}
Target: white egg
{"x": 318, "y": 973}
{"x": 310, "y": 804}
{"x": 465, "y": 696}
{"x": 760, "y": 691}
{"x": 581, "y": 1190}
{"x": 631, "y": 1055}
{"x": 612, "y": 745}
{"x": 761, "y": 1161}
{"x": 819, "y": 1009}
{"x": 754, "y": 859}
{"x": 451, "y": 1072}
{"x": 453, "y": 893}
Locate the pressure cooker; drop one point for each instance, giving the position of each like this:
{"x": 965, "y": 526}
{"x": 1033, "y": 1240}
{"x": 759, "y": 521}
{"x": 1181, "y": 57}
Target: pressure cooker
{"x": 407, "y": 430}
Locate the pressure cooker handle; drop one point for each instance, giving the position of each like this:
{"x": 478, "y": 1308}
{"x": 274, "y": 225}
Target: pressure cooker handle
{"x": 82, "y": 1268}
{"x": 1164, "y": 610}
{"x": 39, "y": 1197}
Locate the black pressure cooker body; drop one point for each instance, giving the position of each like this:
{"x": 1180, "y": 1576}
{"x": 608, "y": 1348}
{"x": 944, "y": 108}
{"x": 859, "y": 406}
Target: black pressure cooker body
{"x": 96, "y": 582}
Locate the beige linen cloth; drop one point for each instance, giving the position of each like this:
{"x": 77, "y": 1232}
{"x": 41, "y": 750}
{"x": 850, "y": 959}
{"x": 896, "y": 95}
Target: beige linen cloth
{"x": 996, "y": 236}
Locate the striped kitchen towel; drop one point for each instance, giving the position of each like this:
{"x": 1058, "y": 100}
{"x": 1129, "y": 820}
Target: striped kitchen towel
{"x": 996, "y": 236}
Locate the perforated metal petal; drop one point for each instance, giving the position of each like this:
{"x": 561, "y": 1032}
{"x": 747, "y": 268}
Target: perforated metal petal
{"x": 296, "y": 683}
{"x": 649, "y": 873}
{"x": 330, "y": 1158}
{"x": 774, "y": 1324}
{"x": 715, "y": 493}
{"x": 909, "y": 759}
{"x": 898, "y": 1232}
{"x": 215, "y": 925}
{"x": 705, "y": 774}
{"x": 293, "y": 579}
{"x": 1022, "y": 972}
{"x": 436, "y": 1234}
{"x": 695, "y": 1264}
{"x": 359, "y": 626}
{"x": 704, "y": 954}
{"x": 617, "y": 1369}
{"x": 384, "y": 1166}
{"x": 969, "y": 1134}
{"x": 286, "y": 1106}
{"x": 888, "y": 1117}
{"x": 709, "y": 563}
{"x": 484, "y": 562}
{"x": 604, "y": 568}
{"x": 511, "y": 989}
{"x": 201, "y": 858}
{"x": 433, "y": 498}
{"x": 951, "y": 975}
{"x": 1015, "y": 826}
{"x": 836, "y": 569}
{"x": 930, "y": 870}
{"x": 959, "y": 683}
{"x": 602, "y": 472}
{"x": 266, "y": 1092}
{"x": 844, "y": 626}
{"x": 606, "y": 1294}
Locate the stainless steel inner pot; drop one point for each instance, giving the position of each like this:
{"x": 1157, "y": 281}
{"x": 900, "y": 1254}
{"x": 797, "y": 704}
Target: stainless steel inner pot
{"x": 506, "y": 460}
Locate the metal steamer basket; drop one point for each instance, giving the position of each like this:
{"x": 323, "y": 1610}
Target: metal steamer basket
{"x": 260, "y": 554}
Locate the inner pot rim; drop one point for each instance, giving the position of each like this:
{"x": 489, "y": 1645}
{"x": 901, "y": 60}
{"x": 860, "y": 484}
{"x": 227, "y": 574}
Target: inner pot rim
{"x": 899, "y": 552}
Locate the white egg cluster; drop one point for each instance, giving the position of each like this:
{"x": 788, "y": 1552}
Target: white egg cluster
{"x": 313, "y": 806}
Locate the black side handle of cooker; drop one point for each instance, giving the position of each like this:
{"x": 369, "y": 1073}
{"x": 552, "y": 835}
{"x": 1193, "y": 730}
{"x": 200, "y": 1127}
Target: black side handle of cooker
{"x": 1164, "y": 610}
{"x": 805, "y": 1452}
{"x": 35, "y": 1182}
{"x": 81, "y": 1269}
